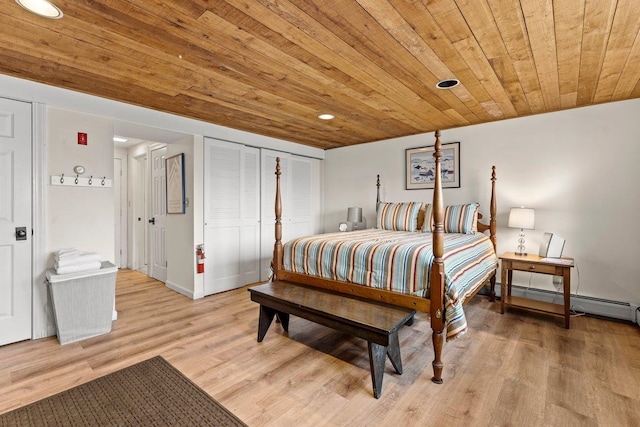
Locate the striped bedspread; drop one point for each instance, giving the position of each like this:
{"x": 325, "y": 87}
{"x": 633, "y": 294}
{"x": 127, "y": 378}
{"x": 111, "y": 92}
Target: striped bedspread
{"x": 398, "y": 261}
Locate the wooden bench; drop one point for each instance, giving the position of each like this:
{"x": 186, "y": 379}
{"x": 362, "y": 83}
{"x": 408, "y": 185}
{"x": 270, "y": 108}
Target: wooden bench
{"x": 376, "y": 323}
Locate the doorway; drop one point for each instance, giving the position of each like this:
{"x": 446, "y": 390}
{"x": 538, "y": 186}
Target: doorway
{"x": 139, "y": 213}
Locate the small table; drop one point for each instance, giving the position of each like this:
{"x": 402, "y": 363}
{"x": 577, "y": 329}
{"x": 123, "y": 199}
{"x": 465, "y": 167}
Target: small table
{"x": 536, "y": 264}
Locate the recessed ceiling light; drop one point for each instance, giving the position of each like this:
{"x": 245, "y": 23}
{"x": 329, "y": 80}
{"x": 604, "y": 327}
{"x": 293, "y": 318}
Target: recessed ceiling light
{"x": 42, "y": 8}
{"x": 448, "y": 83}
{"x": 119, "y": 139}
{"x": 326, "y": 116}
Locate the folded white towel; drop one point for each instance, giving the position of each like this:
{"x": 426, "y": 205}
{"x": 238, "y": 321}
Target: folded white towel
{"x": 67, "y": 253}
{"x": 95, "y": 265}
{"x": 82, "y": 258}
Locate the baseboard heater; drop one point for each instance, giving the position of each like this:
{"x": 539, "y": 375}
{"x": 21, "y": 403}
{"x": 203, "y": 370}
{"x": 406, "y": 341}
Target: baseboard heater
{"x": 580, "y": 304}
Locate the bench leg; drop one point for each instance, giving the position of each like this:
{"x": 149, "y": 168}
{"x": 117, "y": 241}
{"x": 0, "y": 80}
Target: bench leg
{"x": 284, "y": 320}
{"x": 266, "y": 317}
{"x": 393, "y": 351}
{"x": 410, "y": 321}
{"x": 377, "y": 357}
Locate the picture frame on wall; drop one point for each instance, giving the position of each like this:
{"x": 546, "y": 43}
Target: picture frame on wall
{"x": 420, "y": 167}
{"x": 174, "y": 168}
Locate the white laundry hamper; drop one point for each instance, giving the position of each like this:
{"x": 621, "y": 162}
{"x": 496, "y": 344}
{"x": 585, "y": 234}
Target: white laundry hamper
{"x": 83, "y": 303}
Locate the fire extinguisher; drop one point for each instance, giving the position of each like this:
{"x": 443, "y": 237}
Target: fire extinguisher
{"x": 200, "y": 258}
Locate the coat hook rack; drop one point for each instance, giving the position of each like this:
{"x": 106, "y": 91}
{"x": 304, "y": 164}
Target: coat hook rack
{"x": 79, "y": 181}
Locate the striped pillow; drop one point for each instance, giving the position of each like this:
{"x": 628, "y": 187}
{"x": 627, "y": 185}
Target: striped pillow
{"x": 398, "y": 216}
{"x": 461, "y": 218}
{"x": 427, "y": 223}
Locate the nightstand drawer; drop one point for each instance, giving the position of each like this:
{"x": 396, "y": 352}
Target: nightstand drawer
{"x": 537, "y": 268}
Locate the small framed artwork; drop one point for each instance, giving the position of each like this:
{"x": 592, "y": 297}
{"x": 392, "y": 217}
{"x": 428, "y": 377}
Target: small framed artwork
{"x": 175, "y": 184}
{"x": 421, "y": 165}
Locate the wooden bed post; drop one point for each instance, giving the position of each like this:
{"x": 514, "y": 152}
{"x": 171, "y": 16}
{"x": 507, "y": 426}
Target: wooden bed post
{"x": 437, "y": 269}
{"x": 493, "y": 229}
{"x": 276, "y": 263}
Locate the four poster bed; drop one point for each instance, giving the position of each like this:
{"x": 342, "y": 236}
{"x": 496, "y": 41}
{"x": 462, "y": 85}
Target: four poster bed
{"x": 431, "y": 265}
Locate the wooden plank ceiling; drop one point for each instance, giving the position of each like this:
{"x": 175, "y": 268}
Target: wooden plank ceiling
{"x": 271, "y": 66}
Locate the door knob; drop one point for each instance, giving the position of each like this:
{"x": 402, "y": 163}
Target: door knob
{"x": 152, "y": 221}
{"x": 21, "y": 233}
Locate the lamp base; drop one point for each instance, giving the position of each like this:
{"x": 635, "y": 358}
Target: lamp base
{"x": 521, "y": 253}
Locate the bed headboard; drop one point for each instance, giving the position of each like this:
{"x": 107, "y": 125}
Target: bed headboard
{"x": 482, "y": 227}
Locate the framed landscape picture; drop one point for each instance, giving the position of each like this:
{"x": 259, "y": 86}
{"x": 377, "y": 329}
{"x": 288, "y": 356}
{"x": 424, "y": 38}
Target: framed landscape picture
{"x": 421, "y": 165}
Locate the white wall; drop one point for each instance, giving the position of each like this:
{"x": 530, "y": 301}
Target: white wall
{"x": 80, "y": 217}
{"x": 197, "y": 205}
{"x": 577, "y": 168}
{"x": 179, "y": 228}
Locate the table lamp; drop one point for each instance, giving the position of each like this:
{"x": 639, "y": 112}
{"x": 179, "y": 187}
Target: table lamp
{"x": 524, "y": 219}
{"x": 354, "y": 215}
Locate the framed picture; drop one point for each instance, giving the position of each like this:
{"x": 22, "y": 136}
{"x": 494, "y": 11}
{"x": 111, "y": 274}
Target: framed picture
{"x": 175, "y": 184}
{"x": 421, "y": 166}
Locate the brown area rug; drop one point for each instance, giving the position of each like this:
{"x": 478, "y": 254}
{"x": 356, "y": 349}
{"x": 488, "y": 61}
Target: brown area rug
{"x": 150, "y": 393}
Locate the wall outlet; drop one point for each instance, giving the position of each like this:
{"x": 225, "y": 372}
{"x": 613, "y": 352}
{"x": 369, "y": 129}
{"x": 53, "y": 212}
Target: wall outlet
{"x": 557, "y": 282}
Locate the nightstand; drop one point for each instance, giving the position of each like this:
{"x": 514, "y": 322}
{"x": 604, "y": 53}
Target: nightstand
{"x": 536, "y": 264}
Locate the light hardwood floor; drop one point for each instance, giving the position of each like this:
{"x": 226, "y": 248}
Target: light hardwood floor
{"x": 516, "y": 369}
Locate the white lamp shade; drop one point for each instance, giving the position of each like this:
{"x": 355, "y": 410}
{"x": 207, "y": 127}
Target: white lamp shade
{"x": 354, "y": 214}
{"x": 523, "y": 218}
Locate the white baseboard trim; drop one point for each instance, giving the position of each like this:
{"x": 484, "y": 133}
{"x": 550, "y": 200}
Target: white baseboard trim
{"x": 47, "y": 331}
{"x": 635, "y": 308}
{"x": 179, "y": 289}
{"x": 581, "y": 304}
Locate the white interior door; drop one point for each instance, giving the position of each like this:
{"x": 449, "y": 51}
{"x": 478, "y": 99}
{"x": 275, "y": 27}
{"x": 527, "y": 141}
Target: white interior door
{"x": 15, "y": 221}
{"x": 158, "y": 261}
{"x": 119, "y": 214}
{"x": 139, "y": 213}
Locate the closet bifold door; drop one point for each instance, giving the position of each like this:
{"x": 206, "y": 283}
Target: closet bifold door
{"x": 231, "y": 215}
